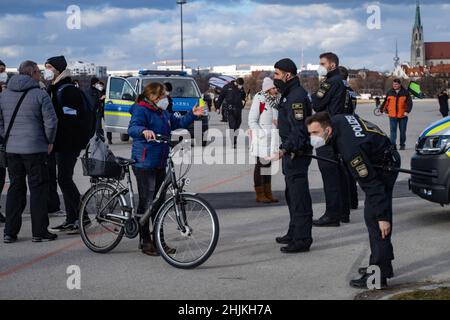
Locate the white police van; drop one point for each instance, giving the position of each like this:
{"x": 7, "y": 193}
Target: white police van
{"x": 121, "y": 94}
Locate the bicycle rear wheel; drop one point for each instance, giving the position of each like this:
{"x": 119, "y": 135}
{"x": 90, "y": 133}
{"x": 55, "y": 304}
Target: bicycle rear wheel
{"x": 190, "y": 249}
{"x": 100, "y": 231}
{"x": 377, "y": 112}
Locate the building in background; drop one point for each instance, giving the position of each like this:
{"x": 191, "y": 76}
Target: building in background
{"x": 426, "y": 54}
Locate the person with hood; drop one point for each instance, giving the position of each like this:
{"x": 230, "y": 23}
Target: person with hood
{"x": 262, "y": 121}
{"x": 149, "y": 117}
{"x": 30, "y": 141}
{"x": 443, "y": 103}
{"x": 97, "y": 100}
{"x": 69, "y": 106}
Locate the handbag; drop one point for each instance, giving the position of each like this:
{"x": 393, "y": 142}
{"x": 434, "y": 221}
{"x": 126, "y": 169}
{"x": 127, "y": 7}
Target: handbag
{"x": 3, "y": 160}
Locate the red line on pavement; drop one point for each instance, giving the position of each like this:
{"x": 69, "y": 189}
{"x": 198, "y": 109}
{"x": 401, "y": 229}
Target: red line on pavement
{"x": 222, "y": 182}
{"x": 38, "y": 259}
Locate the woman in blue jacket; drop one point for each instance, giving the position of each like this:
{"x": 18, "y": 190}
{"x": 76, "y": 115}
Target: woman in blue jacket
{"x": 149, "y": 118}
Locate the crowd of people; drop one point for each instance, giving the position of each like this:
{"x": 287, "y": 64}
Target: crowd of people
{"x": 44, "y": 128}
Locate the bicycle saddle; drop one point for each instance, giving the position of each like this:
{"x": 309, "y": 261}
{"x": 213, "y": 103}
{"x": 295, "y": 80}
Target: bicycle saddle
{"x": 123, "y": 162}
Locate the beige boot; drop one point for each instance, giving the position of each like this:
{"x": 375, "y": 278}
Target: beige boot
{"x": 260, "y": 195}
{"x": 268, "y": 193}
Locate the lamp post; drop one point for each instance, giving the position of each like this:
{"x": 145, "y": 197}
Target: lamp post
{"x": 181, "y": 2}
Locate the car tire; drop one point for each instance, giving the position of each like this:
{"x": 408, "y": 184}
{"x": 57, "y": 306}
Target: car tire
{"x": 124, "y": 137}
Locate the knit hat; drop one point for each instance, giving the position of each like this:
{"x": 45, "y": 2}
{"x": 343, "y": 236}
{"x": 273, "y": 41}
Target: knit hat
{"x": 287, "y": 65}
{"x": 2, "y": 63}
{"x": 267, "y": 84}
{"x": 59, "y": 63}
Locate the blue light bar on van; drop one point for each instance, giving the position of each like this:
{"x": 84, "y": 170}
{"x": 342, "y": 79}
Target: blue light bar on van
{"x": 145, "y": 72}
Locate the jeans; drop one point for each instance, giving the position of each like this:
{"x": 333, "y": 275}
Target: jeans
{"x": 148, "y": 181}
{"x": 34, "y": 167}
{"x": 66, "y": 162}
{"x": 402, "y": 124}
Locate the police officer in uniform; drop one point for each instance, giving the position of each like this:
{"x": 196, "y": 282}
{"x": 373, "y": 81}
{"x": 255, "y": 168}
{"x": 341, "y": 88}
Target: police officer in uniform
{"x": 331, "y": 97}
{"x": 350, "y": 108}
{"x": 293, "y": 109}
{"x": 234, "y": 96}
{"x": 365, "y": 149}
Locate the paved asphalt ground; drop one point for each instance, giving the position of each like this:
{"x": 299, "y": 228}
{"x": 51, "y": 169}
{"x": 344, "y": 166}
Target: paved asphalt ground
{"x": 247, "y": 263}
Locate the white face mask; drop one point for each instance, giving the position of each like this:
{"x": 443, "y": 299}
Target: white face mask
{"x": 322, "y": 71}
{"x": 317, "y": 142}
{"x": 48, "y": 75}
{"x": 99, "y": 87}
{"x": 3, "y": 77}
{"x": 163, "y": 104}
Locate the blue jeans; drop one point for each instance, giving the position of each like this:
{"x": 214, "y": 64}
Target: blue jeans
{"x": 401, "y": 123}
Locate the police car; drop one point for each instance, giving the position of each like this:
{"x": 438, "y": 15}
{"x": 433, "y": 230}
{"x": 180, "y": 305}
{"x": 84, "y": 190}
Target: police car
{"x": 433, "y": 156}
{"x": 121, "y": 94}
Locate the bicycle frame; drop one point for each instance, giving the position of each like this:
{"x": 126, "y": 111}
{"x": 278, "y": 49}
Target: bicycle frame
{"x": 176, "y": 190}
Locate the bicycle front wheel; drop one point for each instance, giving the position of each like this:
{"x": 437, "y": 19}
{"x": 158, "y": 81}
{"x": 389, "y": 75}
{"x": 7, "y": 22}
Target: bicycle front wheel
{"x": 100, "y": 224}
{"x": 377, "y": 112}
{"x": 190, "y": 248}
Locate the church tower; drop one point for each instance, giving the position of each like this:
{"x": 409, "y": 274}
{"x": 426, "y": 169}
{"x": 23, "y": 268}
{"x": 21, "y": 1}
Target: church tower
{"x": 418, "y": 41}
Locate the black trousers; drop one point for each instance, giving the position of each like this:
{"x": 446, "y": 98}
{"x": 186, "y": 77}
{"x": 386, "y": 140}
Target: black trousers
{"x": 66, "y": 162}
{"x": 299, "y": 202}
{"x": 2, "y": 179}
{"x": 34, "y": 167}
{"x": 234, "y": 118}
{"x": 148, "y": 181}
{"x": 54, "y": 204}
{"x": 334, "y": 184}
{"x": 261, "y": 179}
{"x": 352, "y": 188}
{"x": 382, "y": 251}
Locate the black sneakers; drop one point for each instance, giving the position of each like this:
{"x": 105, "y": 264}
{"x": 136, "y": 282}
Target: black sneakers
{"x": 45, "y": 238}
{"x": 9, "y": 239}
{"x": 65, "y": 228}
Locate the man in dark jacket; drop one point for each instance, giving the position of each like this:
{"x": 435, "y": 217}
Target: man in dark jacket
{"x": 69, "y": 106}
{"x": 234, "y": 96}
{"x": 331, "y": 97}
{"x": 293, "y": 110}
{"x": 96, "y": 95}
{"x": 30, "y": 141}
{"x": 365, "y": 149}
{"x": 443, "y": 103}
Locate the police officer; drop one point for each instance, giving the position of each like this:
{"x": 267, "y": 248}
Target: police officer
{"x": 350, "y": 108}
{"x": 293, "y": 110}
{"x": 365, "y": 149}
{"x": 331, "y": 97}
{"x": 234, "y": 96}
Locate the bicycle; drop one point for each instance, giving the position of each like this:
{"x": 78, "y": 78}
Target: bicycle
{"x": 377, "y": 111}
{"x": 186, "y": 227}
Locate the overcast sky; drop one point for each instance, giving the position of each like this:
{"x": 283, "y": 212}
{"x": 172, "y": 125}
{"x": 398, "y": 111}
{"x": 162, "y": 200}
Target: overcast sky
{"x": 133, "y": 34}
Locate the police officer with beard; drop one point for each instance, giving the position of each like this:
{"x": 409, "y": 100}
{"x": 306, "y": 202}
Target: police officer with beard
{"x": 366, "y": 150}
{"x": 234, "y": 96}
{"x": 293, "y": 109}
{"x": 331, "y": 97}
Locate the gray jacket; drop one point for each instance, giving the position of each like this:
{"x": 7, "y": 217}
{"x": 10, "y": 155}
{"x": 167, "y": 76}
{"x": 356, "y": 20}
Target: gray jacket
{"x": 36, "y": 122}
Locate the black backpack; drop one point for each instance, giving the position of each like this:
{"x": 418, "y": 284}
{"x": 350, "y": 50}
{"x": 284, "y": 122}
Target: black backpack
{"x": 89, "y": 119}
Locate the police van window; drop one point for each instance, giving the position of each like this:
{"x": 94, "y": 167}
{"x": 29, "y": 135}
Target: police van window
{"x": 120, "y": 89}
{"x": 182, "y": 88}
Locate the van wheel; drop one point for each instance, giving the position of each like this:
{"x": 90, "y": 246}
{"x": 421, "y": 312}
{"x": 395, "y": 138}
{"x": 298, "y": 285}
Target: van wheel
{"x": 124, "y": 137}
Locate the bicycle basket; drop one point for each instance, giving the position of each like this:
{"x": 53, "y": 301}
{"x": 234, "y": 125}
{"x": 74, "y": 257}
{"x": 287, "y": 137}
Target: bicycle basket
{"x": 99, "y": 161}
